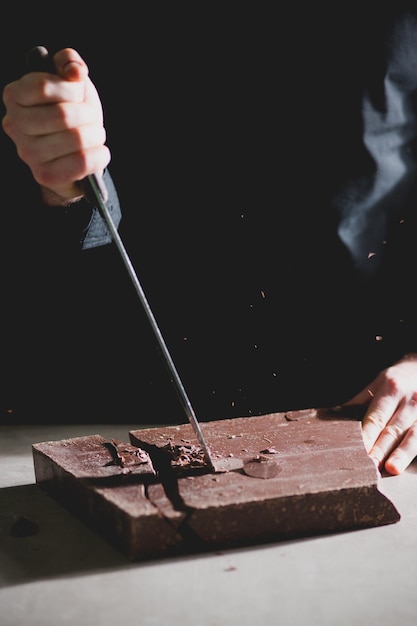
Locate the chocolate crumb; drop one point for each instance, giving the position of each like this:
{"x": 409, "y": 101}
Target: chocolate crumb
{"x": 24, "y": 527}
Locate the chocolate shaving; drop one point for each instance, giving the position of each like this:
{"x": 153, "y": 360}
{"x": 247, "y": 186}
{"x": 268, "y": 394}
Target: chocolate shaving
{"x": 186, "y": 455}
{"x": 270, "y": 450}
{"x": 124, "y": 455}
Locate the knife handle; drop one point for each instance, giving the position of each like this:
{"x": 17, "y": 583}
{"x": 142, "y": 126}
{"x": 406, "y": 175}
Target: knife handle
{"x": 38, "y": 59}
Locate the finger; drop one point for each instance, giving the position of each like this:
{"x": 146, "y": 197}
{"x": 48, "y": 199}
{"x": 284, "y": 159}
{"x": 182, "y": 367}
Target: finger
{"x": 387, "y": 441}
{"x": 48, "y": 119}
{"x": 56, "y": 145}
{"x": 37, "y": 89}
{"x": 394, "y": 431}
{"x": 72, "y": 167}
{"x": 404, "y": 453}
{"x": 377, "y": 417}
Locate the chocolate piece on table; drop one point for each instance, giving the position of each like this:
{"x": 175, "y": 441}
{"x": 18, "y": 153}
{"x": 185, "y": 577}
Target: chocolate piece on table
{"x": 82, "y": 475}
{"x": 286, "y": 475}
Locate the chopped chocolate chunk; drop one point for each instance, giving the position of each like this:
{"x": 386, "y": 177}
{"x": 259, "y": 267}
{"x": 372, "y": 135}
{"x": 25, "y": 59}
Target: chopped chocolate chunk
{"x": 259, "y": 467}
{"x": 186, "y": 455}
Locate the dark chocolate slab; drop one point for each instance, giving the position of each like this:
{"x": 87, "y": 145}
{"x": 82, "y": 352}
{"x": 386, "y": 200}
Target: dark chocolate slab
{"x": 298, "y": 473}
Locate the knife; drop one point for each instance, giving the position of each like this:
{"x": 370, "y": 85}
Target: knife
{"x": 93, "y": 186}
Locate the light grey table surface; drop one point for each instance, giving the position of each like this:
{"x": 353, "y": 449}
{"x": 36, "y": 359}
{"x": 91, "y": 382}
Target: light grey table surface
{"x": 66, "y": 574}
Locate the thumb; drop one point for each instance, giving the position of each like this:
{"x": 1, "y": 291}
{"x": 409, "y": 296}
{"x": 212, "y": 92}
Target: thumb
{"x": 70, "y": 65}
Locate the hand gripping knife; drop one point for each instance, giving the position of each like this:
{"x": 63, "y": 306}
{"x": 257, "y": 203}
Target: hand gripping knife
{"x": 94, "y": 189}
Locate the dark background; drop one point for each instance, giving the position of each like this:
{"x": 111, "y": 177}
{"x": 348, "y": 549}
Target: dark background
{"x": 212, "y": 115}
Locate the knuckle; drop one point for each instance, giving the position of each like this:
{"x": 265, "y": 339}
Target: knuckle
{"x": 392, "y": 383}
{"x": 77, "y": 139}
{"x": 8, "y": 126}
{"x": 412, "y": 433}
{"x": 26, "y": 151}
{"x": 394, "y": 431}
{"x": 376, "y": 419}
{"x": 7, "y": 93}
{"x": 62, "y": 114}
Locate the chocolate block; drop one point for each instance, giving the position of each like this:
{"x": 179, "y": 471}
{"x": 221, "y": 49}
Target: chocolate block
{"x": 302, "y": 473}
{"x": 289, "y": 474}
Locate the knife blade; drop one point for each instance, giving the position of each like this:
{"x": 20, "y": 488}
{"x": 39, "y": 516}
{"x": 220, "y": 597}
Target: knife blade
{"x": 93, "y": 186}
